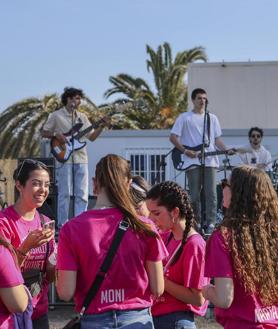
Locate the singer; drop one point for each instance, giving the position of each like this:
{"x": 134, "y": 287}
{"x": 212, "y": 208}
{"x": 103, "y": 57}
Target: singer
{"x": 200, "y": 128}
{"x": 72, "y": 176}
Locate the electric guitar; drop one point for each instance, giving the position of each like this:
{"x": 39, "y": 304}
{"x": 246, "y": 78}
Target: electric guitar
{"x": 183, "y": 162}
{"x": 63, "y": 151}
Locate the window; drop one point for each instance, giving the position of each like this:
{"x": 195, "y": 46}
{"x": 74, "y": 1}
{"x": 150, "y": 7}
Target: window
{"x": 150, "y": 163}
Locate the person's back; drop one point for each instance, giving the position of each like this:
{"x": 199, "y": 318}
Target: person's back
{"x": 136, "y": 270}
{"x": 242, "y": 255}
{"x": 126, "y": 285}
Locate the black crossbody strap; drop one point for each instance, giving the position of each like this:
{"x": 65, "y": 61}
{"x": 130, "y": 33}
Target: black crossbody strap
{"x": 123, "y": 226}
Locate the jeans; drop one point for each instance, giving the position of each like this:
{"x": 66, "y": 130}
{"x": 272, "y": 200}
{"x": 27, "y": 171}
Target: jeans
{"x": 175, "y": 320}
{"x": 64, "y": 182}
{"x": 194, "y": 183}
{"x": 129, "y": 319}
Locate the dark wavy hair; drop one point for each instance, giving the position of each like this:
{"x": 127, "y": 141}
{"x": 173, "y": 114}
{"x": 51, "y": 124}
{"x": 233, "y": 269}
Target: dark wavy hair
{"x": 112, "y": 173}
{"x": 171, "y": 195}
{"x": 250, "y": 229}
{"x": 70, "y": 92}
{"x": 24, "y": 169}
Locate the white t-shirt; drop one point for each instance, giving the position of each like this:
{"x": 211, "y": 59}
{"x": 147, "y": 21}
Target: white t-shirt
{"x": 189, "y": 128}
{"x": 255, "y": 157}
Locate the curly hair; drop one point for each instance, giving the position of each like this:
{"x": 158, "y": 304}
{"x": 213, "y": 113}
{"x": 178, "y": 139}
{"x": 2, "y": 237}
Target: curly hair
{"x": 250, "y": 230}
{"x": 70, "y": 92}
{"x": 171, "y": 195}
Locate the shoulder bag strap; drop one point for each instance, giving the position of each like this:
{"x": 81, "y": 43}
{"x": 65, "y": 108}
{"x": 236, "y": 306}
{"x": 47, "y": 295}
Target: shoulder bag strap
{"x": 122, "y": 228}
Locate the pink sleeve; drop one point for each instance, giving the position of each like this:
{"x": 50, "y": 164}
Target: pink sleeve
{"x": 156, "y": 249}
{"x": 194, "y": 264}
{"x": 218, "y": 259}
{"x": 66, "y": 259}
{"x": 10, "y": 276}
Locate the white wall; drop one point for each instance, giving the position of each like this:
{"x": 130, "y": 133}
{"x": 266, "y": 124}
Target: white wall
{"x": 120, "y": 141}
{"x": 240, "y": 94}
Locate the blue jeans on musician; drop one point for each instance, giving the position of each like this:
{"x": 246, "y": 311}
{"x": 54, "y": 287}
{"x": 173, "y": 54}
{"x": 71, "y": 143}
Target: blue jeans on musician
{"x": 129, "y": 319}
{"x": 175, "y": 320}
{"x": 65, "y": 184}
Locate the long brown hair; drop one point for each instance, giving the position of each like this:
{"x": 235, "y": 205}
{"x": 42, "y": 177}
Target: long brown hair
{"x": 113, "y": 173}
{"x": 171, "y": 195}
{"x": 250, "y": 230}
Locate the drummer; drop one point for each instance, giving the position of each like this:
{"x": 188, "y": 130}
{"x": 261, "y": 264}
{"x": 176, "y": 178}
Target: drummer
{"x": 259, "y": 156}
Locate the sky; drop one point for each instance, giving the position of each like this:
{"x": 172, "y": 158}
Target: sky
{"x": 47, "y": 45}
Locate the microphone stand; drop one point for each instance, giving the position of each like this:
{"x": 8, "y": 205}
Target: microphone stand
{"x": 163, "y": 164}
{"x": 203, "y": 166}
{"x": 73, "y": 107}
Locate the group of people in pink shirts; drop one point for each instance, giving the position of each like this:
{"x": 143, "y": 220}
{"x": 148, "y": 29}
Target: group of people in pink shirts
{"x": 164, "y": 273}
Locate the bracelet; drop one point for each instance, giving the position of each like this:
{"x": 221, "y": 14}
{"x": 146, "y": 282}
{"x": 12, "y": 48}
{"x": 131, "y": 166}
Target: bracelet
{"x": 21, "y": 253}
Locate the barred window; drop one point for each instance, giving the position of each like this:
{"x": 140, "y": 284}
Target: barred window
{"x": 150, "y": 163}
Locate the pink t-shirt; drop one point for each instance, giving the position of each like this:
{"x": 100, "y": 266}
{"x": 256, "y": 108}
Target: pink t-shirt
{"x": 15, "y": 229}
{"x": 10, "y": 276}
{"x": 83, "y": 244}
{"x": 246, "y": 311}
{"x": 187, "y": 271}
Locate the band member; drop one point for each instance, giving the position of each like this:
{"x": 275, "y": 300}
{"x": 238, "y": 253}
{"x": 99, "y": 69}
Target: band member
{"x": 259, "y": 156}
{"x": 59, "y": 123}
{"x": 188, "y": 132}
{"x": 242, "y": 255}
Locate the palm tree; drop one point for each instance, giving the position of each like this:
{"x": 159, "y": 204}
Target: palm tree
{"x": 21, "y": 123}
{"x": 158, "y": 109}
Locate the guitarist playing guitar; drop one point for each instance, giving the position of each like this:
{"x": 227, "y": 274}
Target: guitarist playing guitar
{"x": 72, "y": 171}
{"x": 188, "y": 130}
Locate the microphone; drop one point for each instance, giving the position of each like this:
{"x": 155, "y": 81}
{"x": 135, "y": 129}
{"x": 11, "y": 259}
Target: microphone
{"x": 207, "y": 101}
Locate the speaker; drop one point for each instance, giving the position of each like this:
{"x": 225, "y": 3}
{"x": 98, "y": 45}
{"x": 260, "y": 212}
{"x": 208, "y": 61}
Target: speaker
{"x": 49, "y": 208}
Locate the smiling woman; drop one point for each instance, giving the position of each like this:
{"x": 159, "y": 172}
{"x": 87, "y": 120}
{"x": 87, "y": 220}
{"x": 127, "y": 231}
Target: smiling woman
{"x": 22, "y": 226}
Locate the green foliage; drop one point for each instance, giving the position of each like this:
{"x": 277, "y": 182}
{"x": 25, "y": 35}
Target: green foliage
{"x": 159, "y": 108}
{"x": 21, "y": 123}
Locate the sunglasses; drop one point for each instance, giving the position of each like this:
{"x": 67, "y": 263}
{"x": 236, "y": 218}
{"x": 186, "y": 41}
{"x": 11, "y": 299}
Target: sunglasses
{"x": 30, "y": 162}
{"x": 256, "y": 136}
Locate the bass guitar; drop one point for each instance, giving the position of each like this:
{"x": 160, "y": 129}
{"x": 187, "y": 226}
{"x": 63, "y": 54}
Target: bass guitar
{"x": 63, "y": 151}
{"x": 183, "y": 162}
